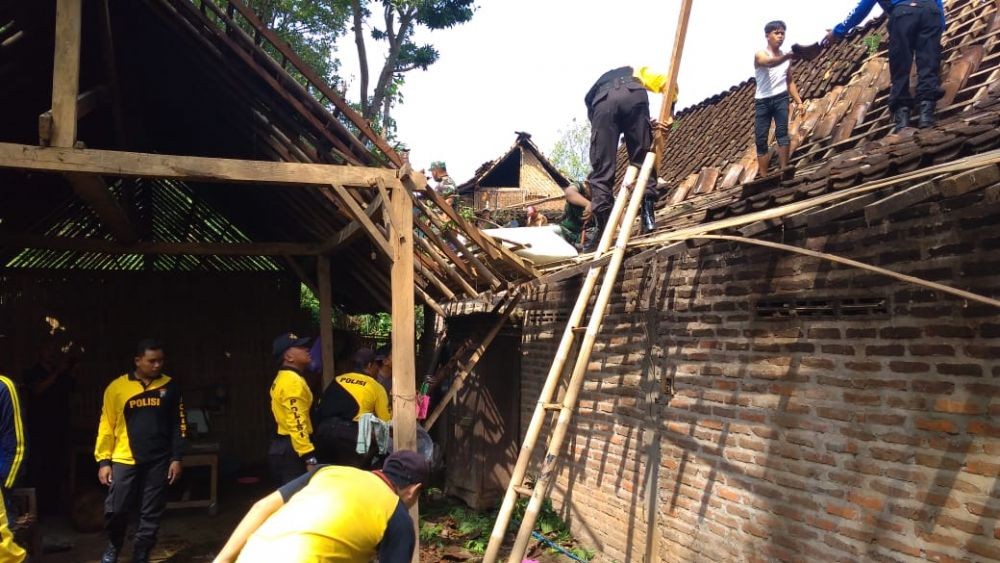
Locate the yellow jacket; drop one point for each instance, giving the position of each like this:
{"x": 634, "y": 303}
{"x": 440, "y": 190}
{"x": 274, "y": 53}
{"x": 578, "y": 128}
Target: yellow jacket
{"x": 291, "y": 400}
{"x": 141, "y": 423}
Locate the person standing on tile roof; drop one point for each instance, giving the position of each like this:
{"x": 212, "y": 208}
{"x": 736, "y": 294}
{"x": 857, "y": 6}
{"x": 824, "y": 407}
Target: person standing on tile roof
{"x": 773, "y": 75}
{"x": 915, "y": 28}
{"x": 445, "y": 185}
{"x": 618, "y": 104}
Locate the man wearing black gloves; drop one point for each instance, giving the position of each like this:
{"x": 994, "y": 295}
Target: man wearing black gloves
{"x": 140, "y": 443}
{"x": 915, "y": 28}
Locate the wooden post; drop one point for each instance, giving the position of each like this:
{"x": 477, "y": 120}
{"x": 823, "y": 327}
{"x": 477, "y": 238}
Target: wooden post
{"x": 666, "y": 113}
{"x": 404, "y": 385}
{"x": 325, "y": 318}
{"x": 66, "y": 72}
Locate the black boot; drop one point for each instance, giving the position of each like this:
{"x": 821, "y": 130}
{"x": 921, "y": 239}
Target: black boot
{"x": 901, "y": 118}
{"x": 648, "y": 217}
{"x": 110, "y": 554}
{"x": 140, "y": 554}
{"x": 927, "y": 114}
{"x": 600, "y": 221}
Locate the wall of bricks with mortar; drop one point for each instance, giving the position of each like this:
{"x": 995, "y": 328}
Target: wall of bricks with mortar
{"x": 867, "y": 438}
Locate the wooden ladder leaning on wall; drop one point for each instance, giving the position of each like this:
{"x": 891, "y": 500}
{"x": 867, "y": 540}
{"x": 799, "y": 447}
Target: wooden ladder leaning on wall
{"x": 632, "y": 193}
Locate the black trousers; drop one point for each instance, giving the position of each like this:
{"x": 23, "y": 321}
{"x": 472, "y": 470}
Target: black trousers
{"x": 284, "y": 464}
{"x": 915, "y": 33}
{"x": 145, "y": 483}
{"x": 336, "y": 444}
{"x": 622, "y": 110}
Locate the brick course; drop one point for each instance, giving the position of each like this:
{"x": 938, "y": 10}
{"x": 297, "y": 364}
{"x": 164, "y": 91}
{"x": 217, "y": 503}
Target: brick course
{"x": 870, "y": 438}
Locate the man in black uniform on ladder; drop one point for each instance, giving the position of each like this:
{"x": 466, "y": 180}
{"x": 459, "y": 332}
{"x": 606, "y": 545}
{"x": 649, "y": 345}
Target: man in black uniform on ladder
{"x": 618, "y": 104}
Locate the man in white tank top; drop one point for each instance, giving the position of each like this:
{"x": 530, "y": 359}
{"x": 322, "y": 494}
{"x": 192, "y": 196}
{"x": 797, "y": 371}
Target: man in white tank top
{"x": 774, "y": 84}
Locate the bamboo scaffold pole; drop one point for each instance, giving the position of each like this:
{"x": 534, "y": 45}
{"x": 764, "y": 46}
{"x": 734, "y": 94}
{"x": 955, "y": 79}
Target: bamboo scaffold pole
{"x": 550, "y": 461}
{"x": 553, "y": 377}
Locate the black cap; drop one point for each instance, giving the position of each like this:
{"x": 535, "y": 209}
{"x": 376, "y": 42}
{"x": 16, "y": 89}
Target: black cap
{"x": 286, "y": 341}
{"x": 406, "y": 468}
{"x": 363, "y": 357}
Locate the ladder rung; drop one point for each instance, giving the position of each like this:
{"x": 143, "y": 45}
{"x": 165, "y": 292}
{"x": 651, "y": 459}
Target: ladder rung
{"x": 552, "y": 406}
{"x": 579, "y": 329}
{"x": 523, "y": 491}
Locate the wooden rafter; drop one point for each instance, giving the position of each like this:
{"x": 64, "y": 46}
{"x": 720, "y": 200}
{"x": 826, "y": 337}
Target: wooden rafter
{"x": 188, "y": 168}
{"x": 164, "y": 248}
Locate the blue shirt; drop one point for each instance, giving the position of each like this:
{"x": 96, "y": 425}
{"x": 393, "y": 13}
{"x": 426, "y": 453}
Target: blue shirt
{"x": 862, "y": 10}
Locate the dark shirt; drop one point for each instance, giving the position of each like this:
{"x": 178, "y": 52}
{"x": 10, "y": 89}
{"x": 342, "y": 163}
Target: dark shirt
{"x": 48, "y": 411}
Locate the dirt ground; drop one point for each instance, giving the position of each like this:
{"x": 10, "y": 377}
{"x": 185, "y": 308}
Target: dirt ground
{"x": 192, "y": 535}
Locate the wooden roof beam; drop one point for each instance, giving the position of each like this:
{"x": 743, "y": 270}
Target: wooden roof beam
{"x": 187, "y": 168}
{"x": 164, "y": 248}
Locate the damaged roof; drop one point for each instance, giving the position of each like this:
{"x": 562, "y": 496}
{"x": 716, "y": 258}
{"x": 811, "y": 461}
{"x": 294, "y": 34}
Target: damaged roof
{"x": 841, "y": 137}
{"x": 206, "y": 78}
{"x": 522, "y": 166}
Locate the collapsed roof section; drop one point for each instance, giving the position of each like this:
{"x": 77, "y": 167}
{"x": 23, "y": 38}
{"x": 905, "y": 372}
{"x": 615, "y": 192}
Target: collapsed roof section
{"x": 206, "y": 79}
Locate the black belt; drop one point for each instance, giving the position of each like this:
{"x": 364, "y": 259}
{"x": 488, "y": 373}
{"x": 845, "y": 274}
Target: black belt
{"x": 605, "y": 87}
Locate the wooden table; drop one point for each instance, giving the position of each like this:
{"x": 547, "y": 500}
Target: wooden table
{"x": 203, "y": 459}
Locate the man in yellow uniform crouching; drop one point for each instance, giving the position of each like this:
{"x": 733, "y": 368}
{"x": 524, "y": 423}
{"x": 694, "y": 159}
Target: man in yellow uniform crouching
{"x": 336, "y": 514}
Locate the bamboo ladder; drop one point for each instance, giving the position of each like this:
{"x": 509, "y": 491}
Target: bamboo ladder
{"x": 632, "y": 192}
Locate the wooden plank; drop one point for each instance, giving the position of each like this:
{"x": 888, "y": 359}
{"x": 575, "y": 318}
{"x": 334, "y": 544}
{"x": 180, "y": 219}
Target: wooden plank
{"x": 325, "y": 281}
{"x": 163, "y": 248}
{"x": 93, "y": 190}
{"x": 970, "y": 181}
{"x": 447, "y": 268}
{"x": 443, "y": 247}
{"x": 404, "y": 366}
{"x": 459, "y": 381}
{"x": 833, "y": 212}
{"x": 665, "y": 251}
{"x": 359, "y": 215}
{"x": 190, "y": 168}
{"x": 900, "y": 200}
{"x": 66, "y": 72}
{"x": 346, "y": 234}
{"x": 296, "y": 268}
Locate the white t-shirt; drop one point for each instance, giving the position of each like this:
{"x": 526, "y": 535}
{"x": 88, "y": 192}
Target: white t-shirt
{"x": 771, "y": 81}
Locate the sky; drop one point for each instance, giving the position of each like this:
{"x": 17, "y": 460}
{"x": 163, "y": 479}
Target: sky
{"x": 525, "y": 65}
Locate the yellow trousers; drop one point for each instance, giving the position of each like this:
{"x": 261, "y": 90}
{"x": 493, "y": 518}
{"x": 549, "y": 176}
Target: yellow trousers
{"x": 10, "y": 552}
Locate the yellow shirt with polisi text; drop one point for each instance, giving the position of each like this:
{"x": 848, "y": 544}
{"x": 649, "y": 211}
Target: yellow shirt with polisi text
{"x": 291, "y": 400}
{"x": 339, "y": 516}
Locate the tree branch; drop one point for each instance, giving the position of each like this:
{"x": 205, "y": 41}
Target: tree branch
{"x": 359, "y": 40}
{"x": 395, "y": 46}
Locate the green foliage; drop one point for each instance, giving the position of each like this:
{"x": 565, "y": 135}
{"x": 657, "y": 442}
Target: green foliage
{"x": 873, "y": 42}
{"x": 553, "y": 527}
{"x": 475, "y": 528}
{"x": 377, "y": 325}
{"x": 395, "y": 24}
{"x": 310, "y": 27}
{"x": 430, "y": 533}
{"x": 571, "y": 153}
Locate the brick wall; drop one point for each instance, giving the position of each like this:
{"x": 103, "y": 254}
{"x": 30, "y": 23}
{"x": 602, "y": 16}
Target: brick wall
{"x": 874, "y": 437}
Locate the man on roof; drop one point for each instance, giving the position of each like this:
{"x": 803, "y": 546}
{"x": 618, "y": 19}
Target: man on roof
{"x": 445, "y": 184}
{"x": 140, "y": 442}
{"x": 534, "y": 218}
{"x": 915, "y": 28}
{"x": 773, "y": 76}
{"x": 335, "y": 514}
{"x": 291, "y": 452}
{"x": 618, "y": 104}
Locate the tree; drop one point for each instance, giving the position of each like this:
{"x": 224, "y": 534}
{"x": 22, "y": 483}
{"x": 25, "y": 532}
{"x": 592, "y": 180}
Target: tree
{"x": 571, "y": 153}
{"x": 310, "y": 27}
{"x": 399, "y": 20}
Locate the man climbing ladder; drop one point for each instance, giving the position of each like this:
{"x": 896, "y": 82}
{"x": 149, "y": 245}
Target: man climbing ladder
{"x": 632, "y": 191}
